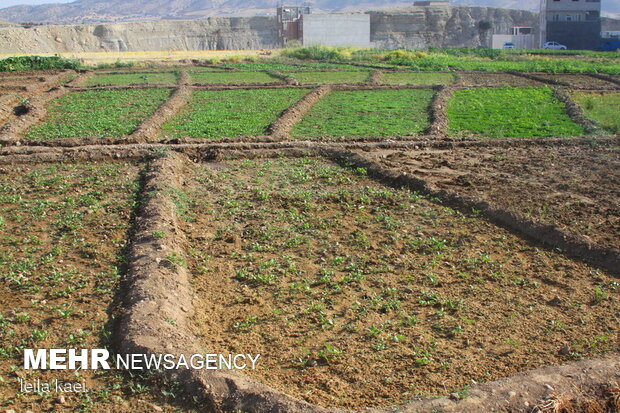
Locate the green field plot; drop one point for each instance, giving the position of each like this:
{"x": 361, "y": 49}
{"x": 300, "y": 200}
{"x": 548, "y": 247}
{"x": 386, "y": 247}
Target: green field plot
{"x": 132, "y": 78}
{"x": 232, "y": 77}
{"x": 367, "y": 113}
{"x": 230, "y": 113}
{"x": 264, "y": 66}
{"x": 324, "y": 65}
{"x": 331, "y": 77}
{"x": 98, "y": 113}
{"x": 602, "y": 108}
{"x": 411, "y": 78}
{"x": 516, "y": 112}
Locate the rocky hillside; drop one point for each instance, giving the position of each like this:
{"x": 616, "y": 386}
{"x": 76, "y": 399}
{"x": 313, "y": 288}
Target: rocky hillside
{"x": 85, "y": 11}
{"x": 417, "y": 27}
{"x": 421, "y": 27}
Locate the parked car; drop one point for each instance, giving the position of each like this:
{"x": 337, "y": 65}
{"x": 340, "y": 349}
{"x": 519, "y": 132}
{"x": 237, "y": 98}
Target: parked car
{"x": 509, "y": 45}
{"x": 611, "y": 46}
{"x": 554, "y": 46}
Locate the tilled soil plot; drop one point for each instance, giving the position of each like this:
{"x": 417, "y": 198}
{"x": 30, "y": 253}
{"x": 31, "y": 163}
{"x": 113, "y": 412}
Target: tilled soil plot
{"x": 494, "y": 79}
{"x": 358, "y": 295}
{"x": 63, "y": 229}
{"x": 574, "y": 187}
{"x": 580, "y": 81}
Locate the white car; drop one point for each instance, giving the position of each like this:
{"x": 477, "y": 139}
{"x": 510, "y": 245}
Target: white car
{"x": 509, "y": 45}
{"x": 554, "y": 46}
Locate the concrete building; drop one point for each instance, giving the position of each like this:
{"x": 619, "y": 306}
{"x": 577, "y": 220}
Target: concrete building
{"x": 574, "y": 23}
{"x": 336, "y": 29}
{"x": 289, "y": 23}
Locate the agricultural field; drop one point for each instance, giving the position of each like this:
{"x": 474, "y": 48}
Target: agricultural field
{"x": 367, "y": 113}
{"x": 63, "y": 232}
{"x": 97, "y": 113}
{"x": 386, "y": 230}
{"x": 405, "y": 78}
{"x": 574, "y": 188}
{"x": 230, "y": 113}
{"x": 597, "y": 107}
{"x": 580, "y": 81}
{"x": 232, "y": 77}
{"x": 265, "y": 66}
{"x": 360, "y": 295}
{"x": 509, "y": 112}
{"x": 330, "y": 77}
{"x": 133, "y": 79}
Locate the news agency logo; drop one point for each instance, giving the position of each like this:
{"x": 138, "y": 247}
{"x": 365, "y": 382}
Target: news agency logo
{"x": 100, "y": 359}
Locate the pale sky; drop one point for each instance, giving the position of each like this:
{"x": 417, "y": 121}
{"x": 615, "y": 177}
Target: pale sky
{"x": 9, "y": 3}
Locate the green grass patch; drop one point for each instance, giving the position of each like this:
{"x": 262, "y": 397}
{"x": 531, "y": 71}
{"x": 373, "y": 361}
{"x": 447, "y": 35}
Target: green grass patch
{"x": 232, "y": 77}
{"x": 367, "y": 113}
{"x": 98, "y": 113}
{"x": 602, "y": 108}
{"x": 230, "y": 113}
{"x": 516, "y": 112}
{"x": 133, "y": 78}
{"x": 416, "y": 78}
{"x": 331, "y": 77}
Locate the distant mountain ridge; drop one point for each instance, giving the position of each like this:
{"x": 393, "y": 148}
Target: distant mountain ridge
{"x": 84, "y": 11}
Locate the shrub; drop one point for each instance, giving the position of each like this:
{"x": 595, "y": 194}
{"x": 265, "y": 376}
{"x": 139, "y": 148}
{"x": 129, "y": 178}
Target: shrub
{"x": 318, "y": 53}
{"x": 22, "y": 63}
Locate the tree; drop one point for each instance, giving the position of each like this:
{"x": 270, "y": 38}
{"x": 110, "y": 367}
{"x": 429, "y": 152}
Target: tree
{"x": 484, "y": 26}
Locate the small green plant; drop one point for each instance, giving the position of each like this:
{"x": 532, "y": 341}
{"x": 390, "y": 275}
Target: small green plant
{"x": 158, "y": 234}
{"x": 177, "y": 259}
{"x": 329, "y": 353}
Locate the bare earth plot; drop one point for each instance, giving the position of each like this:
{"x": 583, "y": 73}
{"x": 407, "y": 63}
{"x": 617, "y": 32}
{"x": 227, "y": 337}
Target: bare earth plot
{"x": 359, "y": 295}
{"x": 580, "y": 81}
{"x": 574, "y": 187}
{"x": 63, "y": 231}
{"x": 262, "y": 216}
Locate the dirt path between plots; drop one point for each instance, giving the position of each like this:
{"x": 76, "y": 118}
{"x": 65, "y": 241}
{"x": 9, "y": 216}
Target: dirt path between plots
{"x": 281, "y": 128}
{"x": 148, "y": 130}
{"x": 439, "y": 113}
{"x": 574, "y": 111}
{"x": 224, "y": 149}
